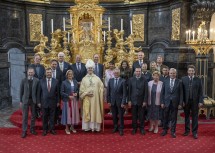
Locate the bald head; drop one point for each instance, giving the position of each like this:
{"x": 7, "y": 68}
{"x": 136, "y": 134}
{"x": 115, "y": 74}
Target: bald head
{"x": 61, "y": 56}
{"x": 140, "y": 55}
{"x": 172, "y": 73}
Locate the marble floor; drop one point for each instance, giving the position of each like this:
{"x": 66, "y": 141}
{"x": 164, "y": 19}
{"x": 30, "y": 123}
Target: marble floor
{"x": 5, "y": 115}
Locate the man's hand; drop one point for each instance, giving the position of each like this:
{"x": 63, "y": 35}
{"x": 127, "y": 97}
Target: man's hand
{"x": 144, "y": 104}
{"x": 200, "y": 105}
{"x": 90, "y": 94}
{"x": 162, "y": 106}
{"x": 20, "y": 104}
{"x": 179, "y": 107}
{"x": 129, "y": 103}
{"x": 122, "y": 105}
{"x": 70, "y": 97}
{"x": 58, "y": 104}
{"x": 39, "y": 105}
{"x": 109, "y": 104}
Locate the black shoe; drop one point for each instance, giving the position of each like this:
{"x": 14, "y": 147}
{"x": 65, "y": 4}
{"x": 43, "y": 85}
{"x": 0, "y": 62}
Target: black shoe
{"x": 44, "y": 133}
{"x": 173, "y": 135}
{"x": 53, "y": 132}
{"x": 186, "y": 133}
{"x": 143, "y": 132}
{"x": 195, "y": 136}
{"x": 24, "y": 134}
{"x": 164, "y": 133}
{"x": 33, "y": 132}
{"x": 121, "y": 133}
{"x": 115, "y": 130}
{"x": 134, "y": 131}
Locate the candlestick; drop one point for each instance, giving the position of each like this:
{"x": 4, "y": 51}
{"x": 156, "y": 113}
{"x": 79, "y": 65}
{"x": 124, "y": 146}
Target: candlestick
{"x": 41, "y": 27}
{"x": 121, "y": 24}
{"x": 71, "y": 19}
{"x": 52, "y": 25}
{"x": 104, "y": 35}
{"x": 108, "y": 23}
{"x": 131, "y": 26}
{"x": 193, "y": 35}
{"x": 64, "y": 24}
{"x": 68, "y": 37}
{"x": 189, "y": 34}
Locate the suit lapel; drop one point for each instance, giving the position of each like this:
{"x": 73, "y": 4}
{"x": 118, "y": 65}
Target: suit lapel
{"x": 119, "y": 83}
{"x": 175, "y": 84}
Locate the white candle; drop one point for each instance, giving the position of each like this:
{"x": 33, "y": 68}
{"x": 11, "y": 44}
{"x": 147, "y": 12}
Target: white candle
{"x": 98, "y": 36}
{"x": 52, "y": 25}
{"x": 68, "y": 37}
{"x": 193, "y": 35}
{"x": 101, "y": 18}
{"x": 121, "y": 24}
{"x": 131, "y": 26}
{"x": 64, "y": 24}
{"x": 104, "y": 35}
{"x": 71, "y": 19}
{"x": 108, "y": 23}
{"x": 41, "y": 27}
{"x": 189, "y": 34}
{"x": 186, "y": 35}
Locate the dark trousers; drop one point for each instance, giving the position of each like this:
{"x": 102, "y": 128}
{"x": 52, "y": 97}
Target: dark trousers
{"x": 57, "y": 114}
{"x": 194, "y": 108}
{"x": 48, "y": 117}
{"x": 138, "y": 112}
{"x": 170, "y": 115}
{"x": 25, "y": 110}
{"x": 118, "y": 111}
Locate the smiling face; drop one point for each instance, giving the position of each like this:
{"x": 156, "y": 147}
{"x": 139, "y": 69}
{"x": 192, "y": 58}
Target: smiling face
{"x": 70, "y": 75}
{"x": 30, "y": 73}
{"x": 61, "y": 57}
{"x": 138, "y": 72}
{"x": 54, "y": 65}
{"x": 37, "y": 59}
{"x": 140, "y": 55}
{"x": 96, "y": 58}
{"x": 49, "y": 73}
{"x": 191, "y": 71}
{"x": 90, "y": 70}
{"x": 172, "y": 73}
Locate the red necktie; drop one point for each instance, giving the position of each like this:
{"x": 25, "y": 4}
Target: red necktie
{"x": 49, "y": 86}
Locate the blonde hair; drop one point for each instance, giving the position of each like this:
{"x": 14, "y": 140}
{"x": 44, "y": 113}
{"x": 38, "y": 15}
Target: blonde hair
{"x": 67, "y": 73}
{"x": 156, "y": 72}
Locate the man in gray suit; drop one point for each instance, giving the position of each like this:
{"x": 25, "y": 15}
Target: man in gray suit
{"x": 29, "y": 97}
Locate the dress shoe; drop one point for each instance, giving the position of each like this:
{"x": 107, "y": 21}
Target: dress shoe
{"x": 121, "y": 133}
{"x": 53, "y": 132}
{"x": 186, "y": 133}
{"x": 24, "y": 134}
{"x": 134, "y": 131}
{"x": 173, "y": 135}
{"x": 156, "y": 130}
{"x": 67, "y": 131}
{"x": 164, "y": 133}
{"x": 143, "y": 132}
{"x": 195, "y": 136}
{"x": 33, "y": 132}
{"x": 44, "y": 133}
{"x": 115, "y": 130}
{"x": 72, "y": 129}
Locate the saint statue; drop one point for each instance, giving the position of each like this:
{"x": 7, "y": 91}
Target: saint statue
{"x": 91, "y": 93}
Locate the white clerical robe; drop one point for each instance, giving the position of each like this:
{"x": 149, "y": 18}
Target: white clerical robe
{"x": 92, "y": 106}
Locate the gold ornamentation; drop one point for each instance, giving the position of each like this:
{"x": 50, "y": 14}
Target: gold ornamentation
{"x": 176, "y": 24}
{"x": 138, "y": 26}
{"x": 35, "y": 26}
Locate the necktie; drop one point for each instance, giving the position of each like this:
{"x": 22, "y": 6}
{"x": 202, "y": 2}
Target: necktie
{"x": 171, "y": 84}
{"x": 49, "y": 85}
{"x": 79, "y": 67}
{"x": 190, "y": 88}
{"x": 61, "y": 67}
{"x": 96, "y": 70}
{"x": 141, "y": 63}
{"x": 116, "y": 83}
{"x": 37, "y": 70}
{"x": 53, "y": 74}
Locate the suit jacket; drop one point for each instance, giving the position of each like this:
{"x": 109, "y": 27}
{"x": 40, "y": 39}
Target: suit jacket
{"x": 59, "y": 76}
{"x": 101, "y": 71}
{"x": 66, "y": 67}
{"x": 148, "y": 76}
{"x": 137, "y": 90}
{"x": 196, "y": 88}
{"x": 162, "y": 78}
{"x": 176, "y": 95}
{"x": 41, "y": 72}
{"x": 66, "y": 89}
{"x": 49, "y": 99}
{"x": 134, "y": 66}
{"x": 24, "y": 91}
{"x": 116, "y": 95}
{"x": 79, "y": 75}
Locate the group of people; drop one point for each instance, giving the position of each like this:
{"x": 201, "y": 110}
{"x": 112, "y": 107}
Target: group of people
{"x": 155, "y": 94}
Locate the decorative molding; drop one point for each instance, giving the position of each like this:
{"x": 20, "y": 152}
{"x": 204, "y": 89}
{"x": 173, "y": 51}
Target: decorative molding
{"x": 138, "y": 26}
{"x": 176, "y": 24}
{"x": 35, "y": 26}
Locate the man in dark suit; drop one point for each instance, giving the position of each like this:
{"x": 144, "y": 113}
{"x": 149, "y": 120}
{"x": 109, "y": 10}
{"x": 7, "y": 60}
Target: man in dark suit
{"x": 99, "y": 68}
{"x": 171, "y": 101}
{"x": 165, "y": 73}
{"x": 146, "y": 73}
{"x": 49, "y": 100}
{"x": 159, "y": 63}
{"x": 57, "y": 74}
{"x": 40, "y": 74}
{"x": 62, "y": 65}
{"x": 38, "y": 68}
{"x": 79, "y": 69}
{"x": 139, "y": 63}
{"x": 137, "y": 99}
{"x": 29, "y": 97}
{"x": 193, "y": 100}
{"x": 116, "y": 98}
